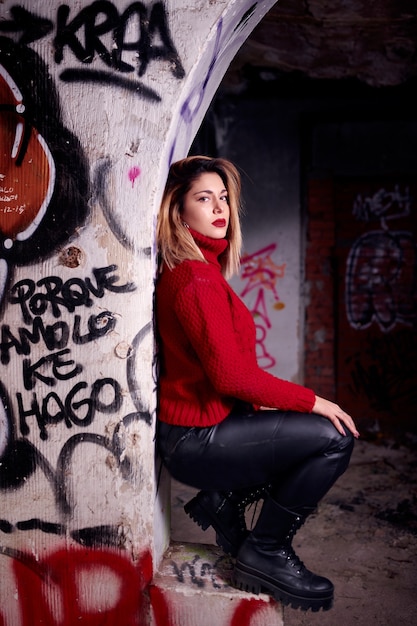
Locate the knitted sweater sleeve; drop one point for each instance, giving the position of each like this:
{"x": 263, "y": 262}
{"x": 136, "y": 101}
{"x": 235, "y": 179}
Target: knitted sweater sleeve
{"x": 218, "y": 331}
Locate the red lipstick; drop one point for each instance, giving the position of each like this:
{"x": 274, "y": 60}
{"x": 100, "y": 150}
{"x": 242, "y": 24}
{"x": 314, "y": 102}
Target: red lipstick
{"x": 221, "y": 223}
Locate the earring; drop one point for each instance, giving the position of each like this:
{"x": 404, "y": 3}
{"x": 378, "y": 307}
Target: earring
{"x": 185, "y": 224}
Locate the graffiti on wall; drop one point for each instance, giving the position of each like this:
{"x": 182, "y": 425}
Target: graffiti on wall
{"x": 44, "y": 185}
{"x": 38, "y": 406}
{"x": 261, "y": 274}
{"x": 381, "y": 267}
{"x": 51, "y": 415}
{"x": 98, "y": 45}
{"x": 100, "y": 31}
{"x": 81, "y": 579}
{"x": 192, "y": 104}
{"x": 210, "y": 572}
{"x": 44, "y": 200}
{"x": 377, "y": 304}
{"x": 77, "y": 575}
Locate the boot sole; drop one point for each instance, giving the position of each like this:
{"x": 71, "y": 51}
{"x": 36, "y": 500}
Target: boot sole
{"x": 256, "y": 583}
{"x": 203, "y": 518}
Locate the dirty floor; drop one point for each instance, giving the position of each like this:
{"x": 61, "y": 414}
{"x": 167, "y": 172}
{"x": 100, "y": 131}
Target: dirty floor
{"x": 363, "y": 537}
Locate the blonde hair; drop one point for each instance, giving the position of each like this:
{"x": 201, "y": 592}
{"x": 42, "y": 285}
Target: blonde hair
{"x": 175, "y": 242}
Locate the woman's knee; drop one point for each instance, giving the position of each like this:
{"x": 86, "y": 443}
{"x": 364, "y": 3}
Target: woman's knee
{"x": 336, "y": 441}
{"x": 348, "y": 443}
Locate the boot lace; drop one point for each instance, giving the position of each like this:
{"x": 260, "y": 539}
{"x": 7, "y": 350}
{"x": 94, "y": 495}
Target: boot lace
{"x": 288, "y": 551}
{"x": 252, "y": 497}
{"x": 293, "y": 559}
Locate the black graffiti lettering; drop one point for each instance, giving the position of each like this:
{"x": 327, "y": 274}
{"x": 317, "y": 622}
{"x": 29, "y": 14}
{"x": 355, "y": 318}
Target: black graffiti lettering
{"x": 150, "y": 31}
{"x": 9, "y": 341}
{"x": 98, "y": 325}
{"x": 39, "y": 301}
{"x": 31, "y": 26}
{"x": 24, "y": 290}
{"x": 98, "y": 30}
{"x": 23, "y": 414}
{"x": 38, "y": 524}
{"x": 94, "y": 29}
{"x": 69, "y": 295}
{"x": 64, "y": 369}
{"x": 116, "y": 402}
{"x": 200, "y": 572}
{"x": 55, "y": 336}
{"x": 66, "y": 31}
{"x": 94, "y": 403}
{"x": 158, "y": 25}
{"x": 23, "y": 426}
{"x": 101, "y": 77}
{"x": 70, "y": 404}
{"x": 33, "y": 411}
{"x": 31, "y": 302}
{"x": 135, "y": 11}
{"x": 30, "y": 373}
{"x": 65, "y": 34}
{"x": 105, "y": 279}
{"x": 75, "y": 293}
{"x": 105, "y": 397}
{"x": 61, "y": 369}
{"x": 101, "y": 18}
{"x": 51, "y": 401}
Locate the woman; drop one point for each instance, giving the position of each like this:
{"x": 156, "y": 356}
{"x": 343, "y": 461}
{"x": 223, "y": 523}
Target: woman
{"x": 213, "y": 431}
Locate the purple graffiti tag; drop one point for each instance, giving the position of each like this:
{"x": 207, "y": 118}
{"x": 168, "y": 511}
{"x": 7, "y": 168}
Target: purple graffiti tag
{"x": 381, "y": 267}
{"x": 192, "y": 104}
{"x": 381, "y": 271}
{"x": 383, "y": 205}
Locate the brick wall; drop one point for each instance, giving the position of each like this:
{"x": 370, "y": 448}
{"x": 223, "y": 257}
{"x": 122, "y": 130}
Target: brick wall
{"x": 319, "y": 373}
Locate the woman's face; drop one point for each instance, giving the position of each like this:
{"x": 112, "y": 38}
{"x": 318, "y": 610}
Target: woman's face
{"x": 206, "y": 207}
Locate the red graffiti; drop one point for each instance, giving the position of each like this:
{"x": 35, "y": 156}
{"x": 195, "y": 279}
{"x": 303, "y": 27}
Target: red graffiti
{"x": 160, "y": 607}
{"x": 99, "y": 588}
{"x": 91, "y": 587}
{"x": 246, "y": 610}
{"x": 261, "y": 273}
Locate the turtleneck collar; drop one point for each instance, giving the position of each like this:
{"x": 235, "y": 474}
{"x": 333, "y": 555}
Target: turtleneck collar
{"x": 211, "y": 248}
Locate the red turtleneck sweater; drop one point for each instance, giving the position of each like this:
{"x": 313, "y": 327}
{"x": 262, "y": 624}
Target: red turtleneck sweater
{"x": 207, "y": 347}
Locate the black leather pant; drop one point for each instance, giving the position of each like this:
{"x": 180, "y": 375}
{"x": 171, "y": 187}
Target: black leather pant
{"x": 301, "y": 455}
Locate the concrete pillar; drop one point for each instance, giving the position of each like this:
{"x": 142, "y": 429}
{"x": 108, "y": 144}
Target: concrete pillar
{"x": 96, "y": 99}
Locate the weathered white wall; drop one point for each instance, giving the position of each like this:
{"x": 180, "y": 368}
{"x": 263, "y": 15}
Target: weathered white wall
{"x": 78, "y": 377}
{"x": 262, "y": 137}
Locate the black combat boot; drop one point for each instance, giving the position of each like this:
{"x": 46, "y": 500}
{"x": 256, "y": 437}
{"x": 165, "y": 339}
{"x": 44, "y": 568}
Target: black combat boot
{"x": 267, "y": 562}
{"x": 225, "y": 512}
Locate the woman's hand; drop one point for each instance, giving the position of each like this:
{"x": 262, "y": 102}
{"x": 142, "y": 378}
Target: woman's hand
{"x": 336, "y": 415}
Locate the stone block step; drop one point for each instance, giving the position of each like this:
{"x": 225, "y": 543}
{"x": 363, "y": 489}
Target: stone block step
{"x": 192, "y": 588}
